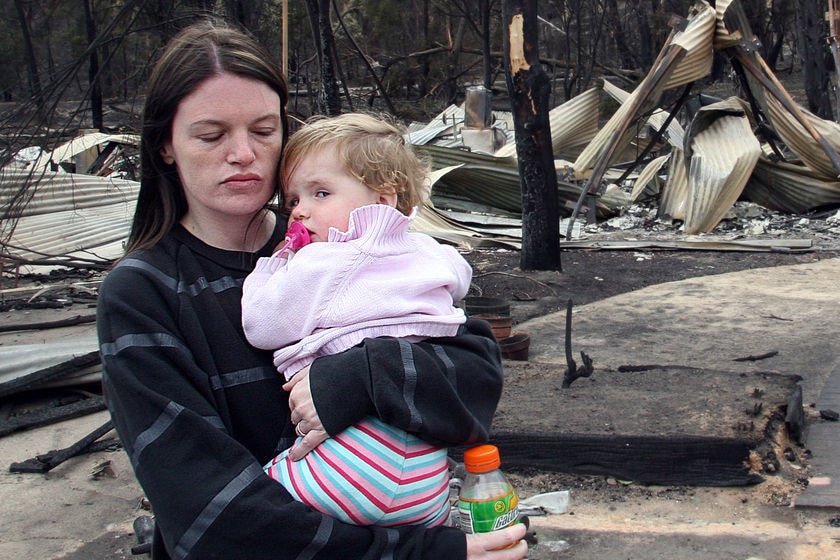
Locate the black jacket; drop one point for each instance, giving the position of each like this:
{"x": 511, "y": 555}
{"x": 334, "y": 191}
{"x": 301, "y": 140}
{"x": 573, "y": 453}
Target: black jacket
{"x": 200, "y": 411}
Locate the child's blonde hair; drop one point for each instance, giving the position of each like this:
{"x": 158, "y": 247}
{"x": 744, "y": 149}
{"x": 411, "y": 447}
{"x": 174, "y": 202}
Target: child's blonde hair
{"x": 372, "y": 149}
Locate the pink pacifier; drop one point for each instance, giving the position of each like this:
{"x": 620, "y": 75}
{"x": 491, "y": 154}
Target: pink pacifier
{"x": 297, "y": 236}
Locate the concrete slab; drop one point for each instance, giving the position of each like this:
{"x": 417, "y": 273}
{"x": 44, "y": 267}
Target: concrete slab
{"x": 823, "y": 437}
{"x": 704, "y": 323}
{"x": 708, "y": 323}
{"x": 53, "y": 514}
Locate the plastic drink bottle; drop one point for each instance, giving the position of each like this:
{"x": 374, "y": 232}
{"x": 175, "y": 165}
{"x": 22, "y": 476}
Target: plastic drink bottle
{"x": 487, "y": 501}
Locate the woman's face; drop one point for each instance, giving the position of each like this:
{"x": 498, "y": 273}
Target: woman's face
{"x": 226, "y": 141}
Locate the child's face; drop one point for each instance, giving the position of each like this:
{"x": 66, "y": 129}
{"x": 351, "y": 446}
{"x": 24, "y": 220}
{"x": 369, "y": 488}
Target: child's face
{"x": 321, "y": 194}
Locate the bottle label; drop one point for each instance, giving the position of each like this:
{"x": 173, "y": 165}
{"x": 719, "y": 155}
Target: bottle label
{"x": 483, "y": 516}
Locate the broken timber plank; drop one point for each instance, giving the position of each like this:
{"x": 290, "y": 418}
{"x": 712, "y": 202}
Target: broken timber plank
{"x": 669, "y": 425}
{"x": 57, "y": 371}
{"x": 48, "y": 461}
{"x": 52, "y": 415}
{"x": 70, "y": 321}
{"x": 657, "y": 460}
{"x": 755, "y": 245}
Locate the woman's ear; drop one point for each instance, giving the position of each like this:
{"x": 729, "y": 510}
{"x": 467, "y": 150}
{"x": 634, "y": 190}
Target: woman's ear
{"x": 166, "y": 154}
{"x": 388, "y": 195}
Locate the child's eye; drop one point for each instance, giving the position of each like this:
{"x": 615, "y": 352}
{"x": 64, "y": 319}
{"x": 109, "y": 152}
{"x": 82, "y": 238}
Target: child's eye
{"x": 291, "y": 203}
{"x": 321, "y": 194}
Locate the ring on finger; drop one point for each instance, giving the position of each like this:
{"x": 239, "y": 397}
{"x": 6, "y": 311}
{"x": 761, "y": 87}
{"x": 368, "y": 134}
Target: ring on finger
{"x": 299, "y": 431}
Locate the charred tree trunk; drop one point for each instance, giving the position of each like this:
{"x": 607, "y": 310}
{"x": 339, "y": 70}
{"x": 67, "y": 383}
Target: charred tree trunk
{"x": 329, "y": 97}
{"x": 93, "y": 70}
{"x": 529, "y": 88}
{"x": 425, "y": 62}
{"x": 484, "y": 7}
{"x": 616, "y": 29}
{"x": 31, "y": 61}
{"x": 814, "y": 57}
{"x": 454, "y": 62}
{"x": 327, "y": 45}
{"x": 246, "y": 13}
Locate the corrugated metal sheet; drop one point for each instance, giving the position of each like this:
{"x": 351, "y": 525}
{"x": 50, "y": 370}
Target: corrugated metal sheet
{"x": 444, "y": 124}
{"x": 80, "y": 144}
{"x": 724, "y": 38}
{"x": 675, "y": 193}
{"x": 457, "y": 232}
{"x": 495, "y": 181}
{"x": 803, "y": 143}
{"x": 723, "y": 153}
{"x": 613, "y": 135}
{"x": 648, "y": 174}
{"x": 790, "y": 188}
{"x": 66, "y": 216}
{"x": 668, "y": 71}
{"x": 697, "y": 41}
{"x": 573, "y": 125}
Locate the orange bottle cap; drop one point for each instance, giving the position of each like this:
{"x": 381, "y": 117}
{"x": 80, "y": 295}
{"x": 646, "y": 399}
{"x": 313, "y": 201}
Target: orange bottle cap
{"x": 482, "y": 458}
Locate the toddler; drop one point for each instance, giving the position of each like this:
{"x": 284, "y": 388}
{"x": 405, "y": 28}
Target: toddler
{"x": 351, "y": 270}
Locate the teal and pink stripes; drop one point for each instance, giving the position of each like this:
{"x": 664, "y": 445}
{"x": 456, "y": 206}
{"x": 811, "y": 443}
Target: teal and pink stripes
{"x": 370, "y": 474}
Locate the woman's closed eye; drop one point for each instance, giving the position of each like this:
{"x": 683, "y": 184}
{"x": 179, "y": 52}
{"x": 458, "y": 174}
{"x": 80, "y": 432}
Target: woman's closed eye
{"x": 265, "y": 131}
{"x": 210, "y": 137}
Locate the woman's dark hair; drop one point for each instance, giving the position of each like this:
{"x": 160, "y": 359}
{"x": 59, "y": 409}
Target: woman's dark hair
{"x": 195, "y": 54}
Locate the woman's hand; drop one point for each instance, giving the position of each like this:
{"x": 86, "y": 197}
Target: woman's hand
{"x": 480, "y": 546}
{"x": 303, "y": 415}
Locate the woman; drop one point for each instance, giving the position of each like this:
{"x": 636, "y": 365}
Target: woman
{"x": 198, "y": 409}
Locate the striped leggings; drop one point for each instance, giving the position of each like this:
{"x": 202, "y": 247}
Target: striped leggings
{"x": 370, "y": 474}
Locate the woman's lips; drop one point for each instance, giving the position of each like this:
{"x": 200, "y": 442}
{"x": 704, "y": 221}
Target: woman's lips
{"x": 242, "y": 180}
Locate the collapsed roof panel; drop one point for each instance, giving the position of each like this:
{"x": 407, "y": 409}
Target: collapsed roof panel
{"x": 69, "y": 217}
{"x": 790, "y": 188}
{"x": 801, "y": 142}
{"x": 51, "y": 216}
{"x": 573, "y": 125}
{"x": 721, "y": 158}
{"x": 685, "y": 58}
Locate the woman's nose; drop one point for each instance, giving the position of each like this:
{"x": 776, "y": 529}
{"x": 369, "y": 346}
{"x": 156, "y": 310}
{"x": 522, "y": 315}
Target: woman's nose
{"x": 240, "y": 149}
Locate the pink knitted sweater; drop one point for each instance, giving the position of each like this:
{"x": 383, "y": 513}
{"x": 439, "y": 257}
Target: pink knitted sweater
{"x": 376, "y": 279}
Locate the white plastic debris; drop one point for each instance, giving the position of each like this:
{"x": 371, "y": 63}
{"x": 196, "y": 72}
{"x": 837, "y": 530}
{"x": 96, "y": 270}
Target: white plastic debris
{"x": 549, "y": 502}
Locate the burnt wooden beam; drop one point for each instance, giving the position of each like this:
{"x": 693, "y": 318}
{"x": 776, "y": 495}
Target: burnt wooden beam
{"x": 659, "y": 460}
{"x": 41, "y": 376}
{"x": 48, "y": 461}
{"x": 52, "y": 415}
{"x": 70, "y": 321}
{"x": 663, "y": 425}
